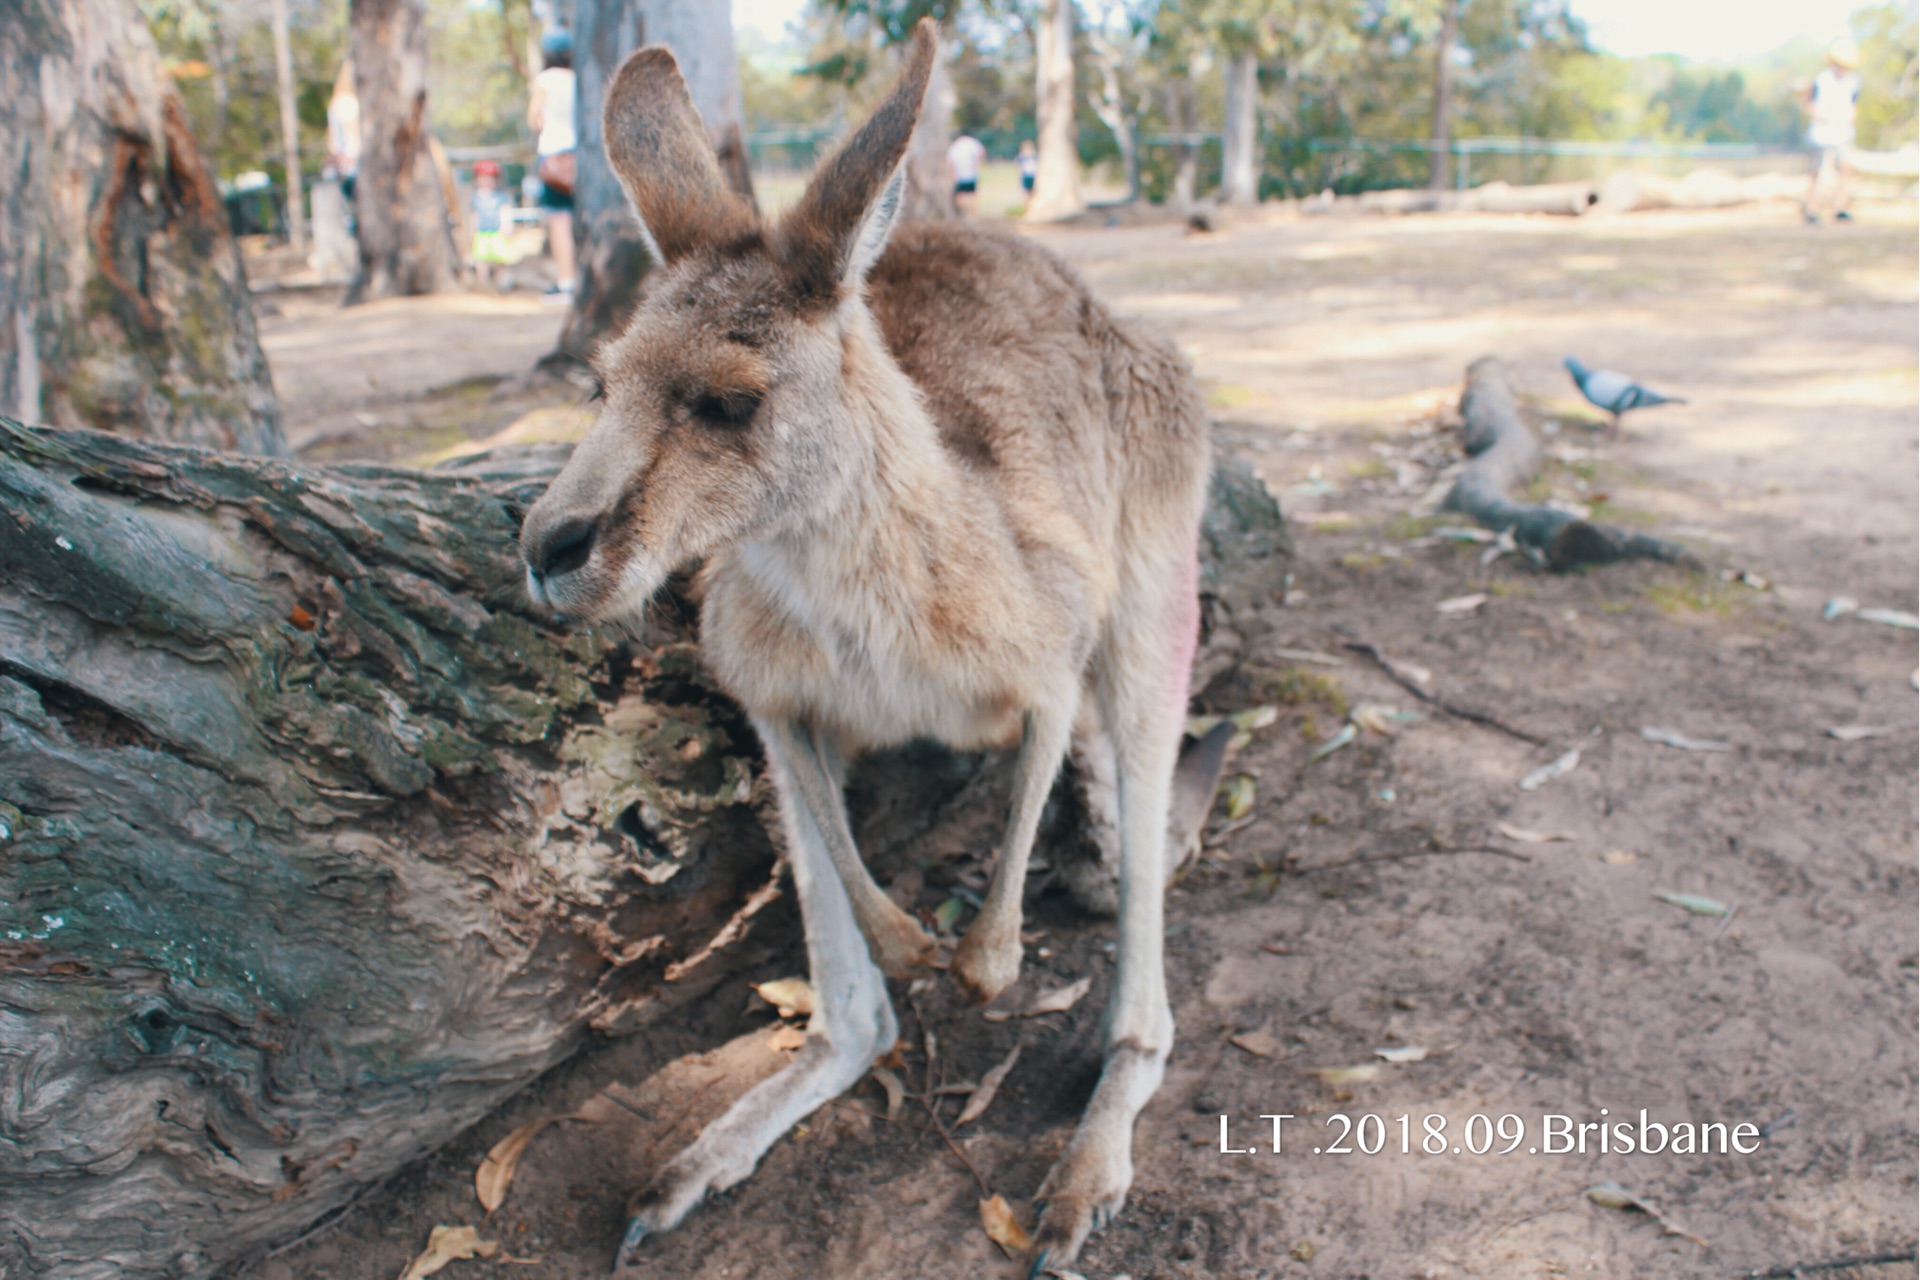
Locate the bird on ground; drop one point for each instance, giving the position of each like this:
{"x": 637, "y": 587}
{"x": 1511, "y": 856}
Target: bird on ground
{"x": 1614, "y": 392}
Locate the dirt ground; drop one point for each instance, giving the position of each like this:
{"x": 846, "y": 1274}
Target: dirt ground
{"x": 1376, "y": 899}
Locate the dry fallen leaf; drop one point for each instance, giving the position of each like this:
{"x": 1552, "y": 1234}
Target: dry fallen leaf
{"x": 996, "y": 1215}
{"x": 1620, "y": 858}
{"x": 1403, "y": 1053}
{"x": 1462, "y": 604}
{"x": 1240, "y": 795}
{"x": 449, "y": 1244}
{"x": 1524, "y": 836}
{"x": 1303, "y": 1250}
{"x": 1061, "y": 999}
{"x": 1553, "y": 769}
{"x": 982, "y": 1097}
{"x": 791, "y": 996}
{"x": 495, "y": 1174}
{"x": 1857, "y": 732}
{"x": 1347, "y": 734}
{"x": 896, "y": 1091}
{"x": 1337, "y": 1076}
{"x": 1612, "y": 1195}
{"x": 1375, "y": 716}
{"x": 1261, "y": 1044}
{"x": 1694, "y": 902}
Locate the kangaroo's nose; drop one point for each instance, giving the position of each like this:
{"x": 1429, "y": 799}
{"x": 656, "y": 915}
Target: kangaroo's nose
{"x": 561, "y": 548}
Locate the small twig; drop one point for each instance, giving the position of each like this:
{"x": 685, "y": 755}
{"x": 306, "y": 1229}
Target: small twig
{"x": 1404, "y": 854}
{"x": 1412, "y": 686}
{"x": 930, "y": 1101}
{"x": 1791, "y": 1270}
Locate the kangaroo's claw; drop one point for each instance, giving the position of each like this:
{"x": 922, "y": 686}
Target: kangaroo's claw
{"x": 636, "y": 1234}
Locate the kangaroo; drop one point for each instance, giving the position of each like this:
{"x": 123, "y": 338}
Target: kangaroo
{"x": 936, "y": 491}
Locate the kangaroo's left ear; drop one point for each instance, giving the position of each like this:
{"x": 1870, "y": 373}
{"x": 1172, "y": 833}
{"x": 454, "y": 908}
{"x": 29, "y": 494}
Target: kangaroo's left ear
{"x": 839, "y": 227}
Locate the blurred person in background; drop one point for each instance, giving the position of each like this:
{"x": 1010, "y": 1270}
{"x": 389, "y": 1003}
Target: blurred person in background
{"x": 490, "y": 204}
{"x": 1831, "y": 102}
{"x": 1029, "y": 162}
{"x": 964, "y": 158}
{"x": 343, "y": 132}
{"x": 550, "y": 112}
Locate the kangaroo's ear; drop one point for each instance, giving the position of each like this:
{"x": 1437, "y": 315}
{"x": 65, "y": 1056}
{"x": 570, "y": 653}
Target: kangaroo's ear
{"x": 840, "y": 225}
{"x": 659, "y": 148}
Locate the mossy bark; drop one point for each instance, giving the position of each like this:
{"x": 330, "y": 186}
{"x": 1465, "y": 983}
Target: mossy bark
{"x": 316, "y": 841}
{"x": 126, "y": 303}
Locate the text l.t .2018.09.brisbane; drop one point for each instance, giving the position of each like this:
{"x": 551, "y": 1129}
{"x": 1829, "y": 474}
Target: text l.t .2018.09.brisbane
{"x": 1547, "y": 1134}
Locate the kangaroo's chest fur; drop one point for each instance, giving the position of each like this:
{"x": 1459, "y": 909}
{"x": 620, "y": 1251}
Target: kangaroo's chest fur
{"x": 969, "y": 577}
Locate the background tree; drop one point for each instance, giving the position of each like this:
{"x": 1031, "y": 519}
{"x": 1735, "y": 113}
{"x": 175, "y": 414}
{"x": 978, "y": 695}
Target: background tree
{"x": 1056, "y": 181}
{"x": 612, "y": 259}
{"x": 125, "y": 301}
{"x": 1118, "y": 39}
{"x": 406, "y": 237}
{"x": 1443, "y": 93}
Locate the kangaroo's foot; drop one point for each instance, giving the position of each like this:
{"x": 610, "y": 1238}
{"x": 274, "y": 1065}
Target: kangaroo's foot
{"x": 1089, "y": 1183}
{"x": 988, "y": 959}
{"x": 728, "y": 1149}
{"x": 900, "y": 946}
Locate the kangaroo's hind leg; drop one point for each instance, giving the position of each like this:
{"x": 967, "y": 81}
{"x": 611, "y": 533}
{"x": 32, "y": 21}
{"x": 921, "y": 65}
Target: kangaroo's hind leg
{"x": 853, "y": 1022}
{"x": 1142, "y": 688}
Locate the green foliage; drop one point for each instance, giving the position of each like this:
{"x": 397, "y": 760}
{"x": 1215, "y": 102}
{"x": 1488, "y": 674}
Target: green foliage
{"x": 1889, "y": 40}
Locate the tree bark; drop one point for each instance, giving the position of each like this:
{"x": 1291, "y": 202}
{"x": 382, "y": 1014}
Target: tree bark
{"x": 612, "y": 260}
{"x": 406, "y": 242}
{"x": 1240, "y": 142}
{"x": 929, "y": 190}
{"x": 1180, "y": 114}
{"x": 1111, "y": 107}
{"x": 1504, "y": 456}
{"x": 316, "y": 842}
{"x": 1056, "y": 179}
{"x": 126, "y": 304}
{"x": 289, "y": 129}
{"x": 1437, "y": 178}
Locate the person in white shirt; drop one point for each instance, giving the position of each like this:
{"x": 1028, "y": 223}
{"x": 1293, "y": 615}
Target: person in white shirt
{"x": 964, "y": 159}
{"x": 1831, "y": 101}
{"x": 550, "y": 112}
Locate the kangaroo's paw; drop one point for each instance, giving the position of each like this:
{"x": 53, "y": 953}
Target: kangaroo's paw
{"x": 727, "y": 1150}
{"x": 899, "y": 945}
{"x": 987, "y": 961}
{"x": 1089, "y": 1183}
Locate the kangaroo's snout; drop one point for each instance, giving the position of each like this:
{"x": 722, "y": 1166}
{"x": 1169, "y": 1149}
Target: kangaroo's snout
{"x": 557, "y": 548}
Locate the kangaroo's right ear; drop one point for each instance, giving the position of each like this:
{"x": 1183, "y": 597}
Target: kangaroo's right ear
{"x": 659, "y": 148}
{"x": 840, "y": 224}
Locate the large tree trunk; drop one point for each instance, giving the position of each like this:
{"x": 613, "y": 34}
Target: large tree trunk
{"x": 1056, "y": 180}
{"x": 316, "y": 841}
{"x": 289, "y": 129}
{"x": 406, "y": 240}
{"x": 612, "y": 260}
{"x": 125, "y": 302}
{"x": 1240, "y": 142}
{"x": 1437, "y": 177}
{"x": 1111, "y": 107}
{"x": 929, "y": 190}
{"x": 1180, "y": 115}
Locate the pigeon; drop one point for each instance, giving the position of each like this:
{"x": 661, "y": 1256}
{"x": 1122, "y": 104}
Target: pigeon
{"x": 1614, "y": 392}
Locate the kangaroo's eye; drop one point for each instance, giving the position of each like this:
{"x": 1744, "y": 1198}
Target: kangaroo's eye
{"x": 726, "y": 409}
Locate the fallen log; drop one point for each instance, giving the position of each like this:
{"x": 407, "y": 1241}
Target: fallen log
{"x": 316, "y": 842}
{"x": 1503, "y": 456}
